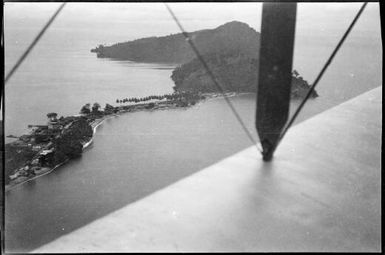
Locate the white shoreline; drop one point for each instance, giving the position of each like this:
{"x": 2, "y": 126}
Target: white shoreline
{"x": 10, "y": 187}
{"x": 94, "y": 132}
{"x": 86, "y": 145}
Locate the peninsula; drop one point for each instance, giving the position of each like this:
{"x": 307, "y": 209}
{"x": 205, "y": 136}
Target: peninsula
{"x": 175, "y": 49}
{"x": 235, "y": 72}
{"x": 230, "y": 50}
{"x": 49, "y": 146}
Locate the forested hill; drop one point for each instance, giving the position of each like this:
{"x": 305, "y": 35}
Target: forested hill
{"x": 235, "y": 71}
{"x": 232, "y": 36}
{"x": 231, "y": 50}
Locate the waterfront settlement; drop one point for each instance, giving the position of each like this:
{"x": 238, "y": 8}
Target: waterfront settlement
{"x": 49, "y": 146}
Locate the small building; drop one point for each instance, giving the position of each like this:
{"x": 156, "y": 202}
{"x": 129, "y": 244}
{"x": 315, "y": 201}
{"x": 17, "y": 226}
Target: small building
{"x": 35, "y": 127}
{"x": 46, "y": 152}
{"x": 45, "y": 157}
{"x": 14, "y": 176}
{"x": 54, "y": 125}
{"x": 36, "y": 147}
{"x": 35, "y": 162}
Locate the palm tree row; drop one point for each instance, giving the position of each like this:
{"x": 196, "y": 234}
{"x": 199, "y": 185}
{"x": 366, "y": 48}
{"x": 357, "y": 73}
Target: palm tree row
{"x": 173, "y": 96}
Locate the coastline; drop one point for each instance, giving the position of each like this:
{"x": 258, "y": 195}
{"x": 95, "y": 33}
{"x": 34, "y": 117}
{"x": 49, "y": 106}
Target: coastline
{"x": 160, "y": 105}
{"x": 49, "y": 170}
{"x": 14, "y": 185}
{"x": 94, "y": 127}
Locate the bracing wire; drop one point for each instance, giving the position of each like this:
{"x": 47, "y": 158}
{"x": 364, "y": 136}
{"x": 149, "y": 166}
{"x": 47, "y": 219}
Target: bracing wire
{"x": 298, "y": 110}
{"x": 34, "y": 42}
{"x": 212, "y": 76}
{"x": 209, "y": 72}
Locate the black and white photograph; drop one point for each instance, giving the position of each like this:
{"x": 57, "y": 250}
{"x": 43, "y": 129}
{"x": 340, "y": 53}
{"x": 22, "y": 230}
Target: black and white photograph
{"x": 191, "y": 127}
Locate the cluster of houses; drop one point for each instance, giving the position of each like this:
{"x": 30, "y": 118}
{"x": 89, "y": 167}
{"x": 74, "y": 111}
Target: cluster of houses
{"x": 36, "y": 166}
{"x": 40, "y": 141}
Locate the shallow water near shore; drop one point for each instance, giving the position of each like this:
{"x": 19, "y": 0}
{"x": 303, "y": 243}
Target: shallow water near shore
{"x": 132, "y": 156}
{"x": 136, "y": 154}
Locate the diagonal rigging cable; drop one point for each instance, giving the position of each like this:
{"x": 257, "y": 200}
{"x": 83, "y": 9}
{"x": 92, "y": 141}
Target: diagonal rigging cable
{"x": 219, "y": 87}
{"x": 298, "y": 110}
{"x": 199, "y": 56}
{"x": 34, "y": 42}
{"x": 41, "y": 33}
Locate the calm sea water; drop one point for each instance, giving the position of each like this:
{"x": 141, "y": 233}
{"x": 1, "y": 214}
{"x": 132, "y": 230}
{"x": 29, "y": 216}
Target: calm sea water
{"x": 136, "y": 154}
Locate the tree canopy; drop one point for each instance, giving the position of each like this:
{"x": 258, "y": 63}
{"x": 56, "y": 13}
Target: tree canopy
{"x": 52, "y": 115}
{"x": 95, "y": 107}
{"x": 86, "y": 109}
